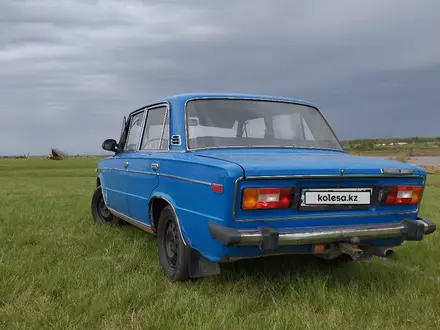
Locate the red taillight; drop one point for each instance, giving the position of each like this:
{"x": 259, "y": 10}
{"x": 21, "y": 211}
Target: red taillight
{"x": 266, "y": 198}
{"x": 403, "y": 195}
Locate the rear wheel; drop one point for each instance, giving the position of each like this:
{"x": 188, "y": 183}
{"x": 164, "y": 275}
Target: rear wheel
{"x": 174, "y": 255}
{"x": 99, "y": 210}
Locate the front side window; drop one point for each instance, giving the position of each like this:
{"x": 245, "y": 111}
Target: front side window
{"x": 157, "y": 123}
{"x": 215, "y": 123}
{"x": 134, "y": 132}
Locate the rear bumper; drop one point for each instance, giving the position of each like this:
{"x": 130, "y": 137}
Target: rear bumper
{"x": 268, "y": 238}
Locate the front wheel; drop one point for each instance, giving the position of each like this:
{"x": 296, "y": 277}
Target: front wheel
{"x": 174, "y": 255}
{"x": 99, "y": 210}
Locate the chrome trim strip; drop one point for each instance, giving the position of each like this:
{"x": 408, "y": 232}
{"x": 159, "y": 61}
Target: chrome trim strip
{"x": 143, "y": 172}
{"x": 155, "y": 150}
{"x": 144, "y": 120}
{"x": 326, "y": 176}
{"x": 326, "y": 235}
{"x": 159, "y": 174}
{"x": 423, "y": 189}
{"x": 234, "y": 201}
{"x": 186, "y": 179}
{"x": 126, "y": 170}
{"x": 151, "y": 105}
{"x": 163, "y": 130}
{"x": 113, "y": 169}
{"x": 264, "y": 147}
{"x": 268, "y": 99}
{"x": 329, "y": 216}
{"x": 134, "y": 222}
{"x": 397, "y": 171}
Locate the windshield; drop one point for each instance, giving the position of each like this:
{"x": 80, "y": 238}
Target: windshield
{"x": 217, "y": 123}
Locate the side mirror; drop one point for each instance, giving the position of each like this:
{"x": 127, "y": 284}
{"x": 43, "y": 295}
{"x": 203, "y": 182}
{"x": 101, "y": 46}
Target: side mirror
{"x": 110, "y": 145}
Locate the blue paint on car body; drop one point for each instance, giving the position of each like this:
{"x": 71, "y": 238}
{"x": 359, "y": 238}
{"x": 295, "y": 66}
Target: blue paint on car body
{"x": 256, "y": 141}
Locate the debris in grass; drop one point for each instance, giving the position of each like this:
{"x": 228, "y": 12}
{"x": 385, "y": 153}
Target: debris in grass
{"x": 56, "y": 154}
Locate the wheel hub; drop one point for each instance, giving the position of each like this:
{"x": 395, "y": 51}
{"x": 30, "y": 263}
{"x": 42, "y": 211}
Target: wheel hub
{"x": 171, "y": 243}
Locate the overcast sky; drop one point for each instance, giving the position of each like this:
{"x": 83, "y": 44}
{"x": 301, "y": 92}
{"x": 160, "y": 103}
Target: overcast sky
{"x": 69, "y": 70}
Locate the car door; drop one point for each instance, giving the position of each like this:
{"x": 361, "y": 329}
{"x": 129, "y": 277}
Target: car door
{"x": 145, "y": 166}
{"x": 116, "y": 188}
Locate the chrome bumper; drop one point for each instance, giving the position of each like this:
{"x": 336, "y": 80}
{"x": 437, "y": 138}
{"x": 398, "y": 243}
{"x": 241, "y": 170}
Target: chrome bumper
{"x": 268, "y": 238}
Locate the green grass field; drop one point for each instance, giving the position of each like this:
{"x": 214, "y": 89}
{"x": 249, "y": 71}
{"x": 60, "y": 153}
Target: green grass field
{"x": 59, "y": 270}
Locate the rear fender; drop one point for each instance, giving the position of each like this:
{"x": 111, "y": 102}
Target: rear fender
{"x": 170, "y": 201}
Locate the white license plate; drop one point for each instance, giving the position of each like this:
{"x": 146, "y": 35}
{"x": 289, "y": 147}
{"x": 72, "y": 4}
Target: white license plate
{"x": 346, "y": 196}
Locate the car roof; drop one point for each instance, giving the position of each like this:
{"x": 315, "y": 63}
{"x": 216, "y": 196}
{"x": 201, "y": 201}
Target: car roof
{"x": 189, "y": 96}
{"x": 182, "y": 98}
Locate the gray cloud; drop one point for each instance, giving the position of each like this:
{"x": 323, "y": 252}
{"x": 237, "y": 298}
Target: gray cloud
{"x": 69, "y": 70}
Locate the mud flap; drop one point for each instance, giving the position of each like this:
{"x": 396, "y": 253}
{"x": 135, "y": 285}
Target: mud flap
{"x": 199, "y": 266}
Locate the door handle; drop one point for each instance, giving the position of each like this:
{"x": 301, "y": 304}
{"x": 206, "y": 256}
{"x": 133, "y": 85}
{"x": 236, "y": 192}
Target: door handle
{"x": 125, "y": 164}
{"x": 155, "y": 166}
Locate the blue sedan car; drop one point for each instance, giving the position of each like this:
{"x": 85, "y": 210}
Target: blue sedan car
{"x": 222, "y": 177}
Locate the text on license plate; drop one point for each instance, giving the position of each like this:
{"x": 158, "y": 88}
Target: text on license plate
{"x": 349, "y": 196}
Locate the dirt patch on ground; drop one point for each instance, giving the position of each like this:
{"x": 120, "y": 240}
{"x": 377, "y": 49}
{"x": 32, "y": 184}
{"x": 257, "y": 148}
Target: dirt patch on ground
{"x": 431, "y": 169}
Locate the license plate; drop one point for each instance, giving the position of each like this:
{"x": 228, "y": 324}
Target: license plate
{"x": 343, "y": 196}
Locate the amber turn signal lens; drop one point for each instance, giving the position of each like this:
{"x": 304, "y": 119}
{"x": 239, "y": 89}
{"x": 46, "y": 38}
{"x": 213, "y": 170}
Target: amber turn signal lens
{"x": 250, "y": 198}
{"x": 416, "y": 194}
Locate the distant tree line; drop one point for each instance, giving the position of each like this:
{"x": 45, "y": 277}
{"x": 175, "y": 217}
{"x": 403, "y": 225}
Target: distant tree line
{"x": 378, "y": 143}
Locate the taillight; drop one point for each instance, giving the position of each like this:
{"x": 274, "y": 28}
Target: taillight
{"x": 403, "y": 195}
{"x": 266, "y": 198}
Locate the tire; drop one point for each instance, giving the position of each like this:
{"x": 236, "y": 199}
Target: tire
{"x": 100, "y": 212}
{"x": 174, "y": 255}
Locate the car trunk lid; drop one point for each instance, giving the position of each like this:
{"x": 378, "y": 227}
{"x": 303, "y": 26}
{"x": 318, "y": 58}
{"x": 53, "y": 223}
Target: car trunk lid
{"x": 295, "y": 163}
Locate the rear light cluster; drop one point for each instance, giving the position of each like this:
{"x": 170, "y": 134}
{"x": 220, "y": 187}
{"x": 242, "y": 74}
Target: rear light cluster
{"x": 403, "y": 195}
{"x": 266, "y": 198}
{"x": 282, "y": 198}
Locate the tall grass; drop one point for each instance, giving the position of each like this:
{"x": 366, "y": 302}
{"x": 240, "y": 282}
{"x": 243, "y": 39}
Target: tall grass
{"x": 59, "y": 270}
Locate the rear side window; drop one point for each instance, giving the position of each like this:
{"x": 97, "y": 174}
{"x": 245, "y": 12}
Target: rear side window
{"x": 156, "y": 132}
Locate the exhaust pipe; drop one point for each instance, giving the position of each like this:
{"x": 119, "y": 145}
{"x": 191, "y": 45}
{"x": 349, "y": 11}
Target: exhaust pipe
{"x": 384, "y": 252}
{"x": 334, "y": 250}
{"x": 352, "y": 250}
